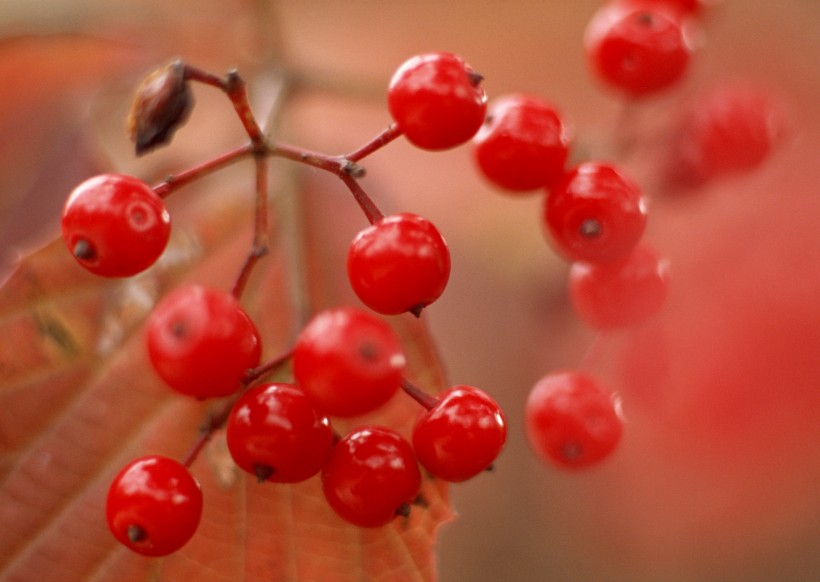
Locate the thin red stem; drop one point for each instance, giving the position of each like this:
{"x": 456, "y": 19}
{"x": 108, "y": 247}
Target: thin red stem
{"x": 378, "y": 142}
{"x": 233, "y": 85}
{"x": 260, "y": 231}
{"x": 593, "y": 353}
{"x": 237, "y": 92}
{"x": 345, "y": 169}
{"x": 626, "y": 133}
{"x": 176, "y": 181}
{"x": 332, "y": 164}
{"x": 204, "y": 77}
{"x": 267, "y": 367}
{"x": 214, "y": 422}
{"x": 371, "y": 211}
{"x": 426, "y": 400}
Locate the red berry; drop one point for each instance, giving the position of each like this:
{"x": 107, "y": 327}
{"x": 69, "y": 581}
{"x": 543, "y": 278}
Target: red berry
{"x": 273, "y": 432}
{"x": 115, "y": 225}
{"x": 692, "y": 7}
{"x": 621, "y": 293}
{"x": 572, "y": 420}
{"x": 638, "y": 48}
{"x": 523, "y": 145}
{"x": 201, "y": 342}
{"x": 371, "y": 477}
{"x": 348, "y": 361}
{"x": 595, "y": 214}
{"x": 154, "y": 506}
{"x": 400, "y": 263}
{"x": 437, "y": 100}
{"x": 461, "y": 435}
{"x": 730, "y": 128}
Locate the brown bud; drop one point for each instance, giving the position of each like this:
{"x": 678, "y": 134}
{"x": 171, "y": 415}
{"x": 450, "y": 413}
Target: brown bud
{"x": 162, "y": 105}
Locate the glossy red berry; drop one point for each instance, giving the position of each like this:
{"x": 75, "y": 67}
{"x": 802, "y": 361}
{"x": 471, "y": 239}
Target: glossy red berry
{"x": 115, "y": 225}
{"x": 730, "y": 128}
{"x": 523, "y": 145}
{"x": 154, "y": 506}
{"x": 638, "y": 49}
{"x": 371, "y": 477}
{"x": 461, "y": 435}
{"x": 595, "y": 213}
{"x": 620, "y": 293}
{"x": 201, "y": 342}
{"x": 437, "y": 100}
{"x": 274, "y": 433}
{"x": 348, "y": 361}
{"x": 400, "y": 263}
{"x": 572, "y": 420}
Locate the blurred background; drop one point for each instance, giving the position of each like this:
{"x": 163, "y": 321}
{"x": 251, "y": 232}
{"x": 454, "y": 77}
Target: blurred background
{"x": 717, "y": 477}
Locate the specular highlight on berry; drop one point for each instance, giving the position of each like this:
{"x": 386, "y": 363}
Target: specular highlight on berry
{"x": 115, "y": 225}
{"x": 400, "y": 263}
{"x": 201, "y": 342}
{"x": 437, "y": 100}
{"x": 154, "y": 505}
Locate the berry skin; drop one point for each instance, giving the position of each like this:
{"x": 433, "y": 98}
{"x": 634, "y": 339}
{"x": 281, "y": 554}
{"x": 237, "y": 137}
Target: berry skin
{"x": 400, "y": 263}
{"x": 691, "y": 7}
{"x": 523, "y": 145}
{"x": 371, "y": 477}
{"x": 622, "y": 293}
{"x": 461, "y": 435}
{"x": 348, "y": 361}
{"x": 571, "y": 420}
{"x": 594, "y": 214}
{"x": 638, "y": 48}
{"x": 201, "y": 342}
{"x": 273, "y": 432}
{"x": 154, "y": 506}
{"x": 730, "y": 128}
{"x": 437, "y": 100}
{"x": 115, "y": 225}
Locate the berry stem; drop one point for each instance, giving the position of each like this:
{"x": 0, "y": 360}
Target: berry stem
{"x": 345, "y": 167}
{"x": 332, "y": 164}
{"x": 176, "y": 181}
{"x": 204, "y": 77}
{"x": 593, "y": 353}
{"x": 385, "y": 137}
{"x": 237, "y": 92}
{"x": 234, "y": 86}
{"x": 260, "y": 231}
{"x": 626, "y": 133}
{"x": 419, "y": 395}
{"x": 267, "y": 367}
{"x": 347, "y": 171}
{"x": 365, "y": 202}
{"x": 213, "y": 423}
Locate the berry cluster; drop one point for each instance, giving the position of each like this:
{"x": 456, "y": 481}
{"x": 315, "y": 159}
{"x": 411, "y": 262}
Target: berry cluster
{"x": 348, "y": 361}
{"x": 345, "y": 362}
{"x": 595, "y": 214}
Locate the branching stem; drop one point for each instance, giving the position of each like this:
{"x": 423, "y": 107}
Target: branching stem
{"x": 426, "y": 400}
